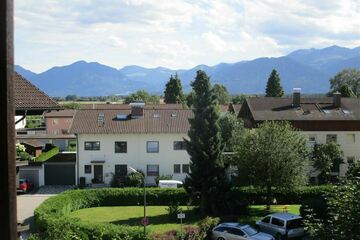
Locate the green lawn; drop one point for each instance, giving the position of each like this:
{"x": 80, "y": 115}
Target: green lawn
{"x": 159, "y": 220}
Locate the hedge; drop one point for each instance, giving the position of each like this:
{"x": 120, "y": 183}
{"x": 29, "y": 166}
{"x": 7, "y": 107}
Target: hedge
{"x": 53, "y": 220}
{"x": 52, "y": 216}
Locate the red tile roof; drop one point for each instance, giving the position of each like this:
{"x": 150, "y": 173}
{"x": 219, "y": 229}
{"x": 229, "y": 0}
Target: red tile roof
{"x": 60, "y": 113}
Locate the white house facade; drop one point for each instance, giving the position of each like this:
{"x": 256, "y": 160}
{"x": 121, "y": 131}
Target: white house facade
{"x": 110, "y": 141}
{"x": 100, "y": 156}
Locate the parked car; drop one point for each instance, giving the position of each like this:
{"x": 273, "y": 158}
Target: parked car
{"x": 237, "y": 231}
{"x": 170, "y": 183}
{"x": 24, "y": 185}
{"x": 282, "y": 225}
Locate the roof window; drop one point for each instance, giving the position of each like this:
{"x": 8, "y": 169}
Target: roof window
{"x": 156, "y": 115}
{"x": 173, "y": 115}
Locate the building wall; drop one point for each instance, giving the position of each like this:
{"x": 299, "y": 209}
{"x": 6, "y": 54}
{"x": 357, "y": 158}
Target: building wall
{"x": 136, "y": 156}
{"x": 351, "y": 149}
{"x": 20, "y": 124}
{"x": 58, "y": 125}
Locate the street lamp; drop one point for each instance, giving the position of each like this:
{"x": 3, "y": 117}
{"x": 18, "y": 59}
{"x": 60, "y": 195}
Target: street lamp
{"x": 144, "y": 222}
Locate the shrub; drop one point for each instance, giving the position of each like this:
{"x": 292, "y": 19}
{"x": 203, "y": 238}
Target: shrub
{"x": 162, "y": 177}
{"x": 173, "y": 209}
{"x": 134, "y": 180}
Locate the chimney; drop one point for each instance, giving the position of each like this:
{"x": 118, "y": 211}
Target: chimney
{"x": 296, "y": 97}
{"x": 137, "y": 109}
{"x": 337, "y": 99}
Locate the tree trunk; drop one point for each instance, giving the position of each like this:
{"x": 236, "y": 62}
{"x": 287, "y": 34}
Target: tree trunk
{"x": 268, "y": 197}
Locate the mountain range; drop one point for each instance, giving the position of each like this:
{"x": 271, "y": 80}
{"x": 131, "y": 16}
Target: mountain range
{"x": 308, "y": 69}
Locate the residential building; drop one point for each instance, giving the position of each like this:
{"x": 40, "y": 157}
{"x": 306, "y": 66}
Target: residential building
{"x": 150, "y": 139}
{"x": 320, "y": 119}
{"x": 59, "y": 122}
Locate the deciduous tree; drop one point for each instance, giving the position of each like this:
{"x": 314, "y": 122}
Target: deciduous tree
{"x": 221, "y": 94}
{"x": 347, "y": 77}
{"x": 273, "y": 155}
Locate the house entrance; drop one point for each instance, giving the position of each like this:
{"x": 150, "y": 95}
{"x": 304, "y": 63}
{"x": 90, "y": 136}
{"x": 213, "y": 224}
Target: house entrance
{"x": 98, "y": 174}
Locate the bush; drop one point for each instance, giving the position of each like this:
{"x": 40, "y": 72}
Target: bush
{"x": 290, "y": 196}
{"x": 162, "y": 177}
{"x": 134, "y": 180}
{"x": 173, "y": 209}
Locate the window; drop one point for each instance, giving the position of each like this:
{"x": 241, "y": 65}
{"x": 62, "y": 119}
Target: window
{"x": 152, "y": 146}
{"x": 331, "y": 138}
{"x": 92, "y": 146}
{"x": 185, "y": 168}
{"x": 55, "y": 121}
{"x": 87, "y": 168}
{"x": 266, "y": 220}
{"x": 312, "y": 139}
{"x": 120, "y": 147}
{"x": 350, "y": 138}
{"x": 179, "y": 145}
{"x": 177, "y": 168}
{"x": 277, "y": 222}
{"x": 236, "y": 231}
{"x": 152, "y": 170}
{"x": 121, "y": 170}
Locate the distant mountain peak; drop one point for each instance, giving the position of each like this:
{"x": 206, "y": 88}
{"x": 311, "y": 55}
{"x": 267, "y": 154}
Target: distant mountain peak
{"x": 306, "y": 68}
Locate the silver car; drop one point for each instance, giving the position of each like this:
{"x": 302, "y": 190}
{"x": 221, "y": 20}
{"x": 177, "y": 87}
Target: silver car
{"x": 237, "y": 231}
{"x": 282, "y": 225}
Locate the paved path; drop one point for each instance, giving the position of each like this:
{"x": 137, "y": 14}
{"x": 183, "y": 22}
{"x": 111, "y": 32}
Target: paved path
{"x": 26, "y": 204}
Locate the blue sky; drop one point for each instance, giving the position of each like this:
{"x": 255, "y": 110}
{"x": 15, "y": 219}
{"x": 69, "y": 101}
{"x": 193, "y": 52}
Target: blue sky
{"x": 176, "y": 33}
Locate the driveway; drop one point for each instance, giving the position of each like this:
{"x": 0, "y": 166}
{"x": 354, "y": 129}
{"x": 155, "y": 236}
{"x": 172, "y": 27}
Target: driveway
{"x": 27, "y": 203}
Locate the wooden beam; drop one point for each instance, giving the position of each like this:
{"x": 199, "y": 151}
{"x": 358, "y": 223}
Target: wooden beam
{"x": 8, "y": 228}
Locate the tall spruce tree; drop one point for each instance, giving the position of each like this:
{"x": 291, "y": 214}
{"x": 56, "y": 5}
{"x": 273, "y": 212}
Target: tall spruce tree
{"x": 173, "y": 90}
{"x": 206, "y": 182}
{"x": 273, "y": 86}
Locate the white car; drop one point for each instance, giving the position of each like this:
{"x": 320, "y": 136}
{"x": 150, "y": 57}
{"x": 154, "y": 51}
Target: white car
{"x": 237, "y": 231}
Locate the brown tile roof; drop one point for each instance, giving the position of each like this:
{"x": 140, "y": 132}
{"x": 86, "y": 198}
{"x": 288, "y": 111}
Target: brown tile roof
{"x": 29, "y": 97}
{"x": 224, "y": 108}
{"x": 34, "y": 143}
{"x": 127, "y": 106}
{"x": 311, "y": 109}
{"x": 154, "y": 121}
{"x": 60, "y": 113}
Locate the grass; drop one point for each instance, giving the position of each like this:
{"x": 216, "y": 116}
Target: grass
{"x": 46, "y": 155}
{"x": 159, "y": 219}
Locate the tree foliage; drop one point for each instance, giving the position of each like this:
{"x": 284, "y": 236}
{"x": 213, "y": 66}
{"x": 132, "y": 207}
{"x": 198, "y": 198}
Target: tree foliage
{"x": 350, "y": 78}
{"x": 343, "y": 215}
{"x": 206, "y": 180}
{"x": 326, "y": 159}
{"x": 231, "y": 128}
{"x": 144, "y": 96}
{"x": 239, "y": 98}
{"x": 273, "y": 155}
{"x": 173, "y": 90}
{"x": 354, "y": 171}
{"x": 221, "y": 94}
{"x": 273, "y": 86}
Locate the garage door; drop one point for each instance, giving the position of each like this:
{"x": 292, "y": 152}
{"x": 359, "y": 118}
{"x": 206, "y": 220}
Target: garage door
{"x": 59, "y": 174}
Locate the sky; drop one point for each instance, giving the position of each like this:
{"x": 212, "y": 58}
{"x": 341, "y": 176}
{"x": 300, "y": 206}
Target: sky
{"x": 176, "y": 34}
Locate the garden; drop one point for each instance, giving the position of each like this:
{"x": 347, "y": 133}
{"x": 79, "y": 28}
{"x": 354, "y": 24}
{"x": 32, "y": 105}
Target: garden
{"x": 115, "y": 213}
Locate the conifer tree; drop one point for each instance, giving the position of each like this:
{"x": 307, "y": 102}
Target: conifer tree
{"x": 206, "y": 182}
{"x": 173, "y": 90}
{"x": 273, "y": 86}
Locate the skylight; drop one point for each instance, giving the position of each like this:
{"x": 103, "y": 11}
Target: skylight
{"x": 346, "y": 111}
{"x": 327, "y": 111}
{"x": 121, "y": 116}
{"x": 156, "y": 115}
{"x": 173, "y": 115}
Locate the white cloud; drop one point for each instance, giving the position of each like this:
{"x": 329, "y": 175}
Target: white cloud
{"x": 177, "y": 33}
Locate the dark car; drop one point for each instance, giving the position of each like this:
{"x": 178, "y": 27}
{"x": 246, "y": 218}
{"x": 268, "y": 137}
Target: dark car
{"x": 24, "y": 186}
